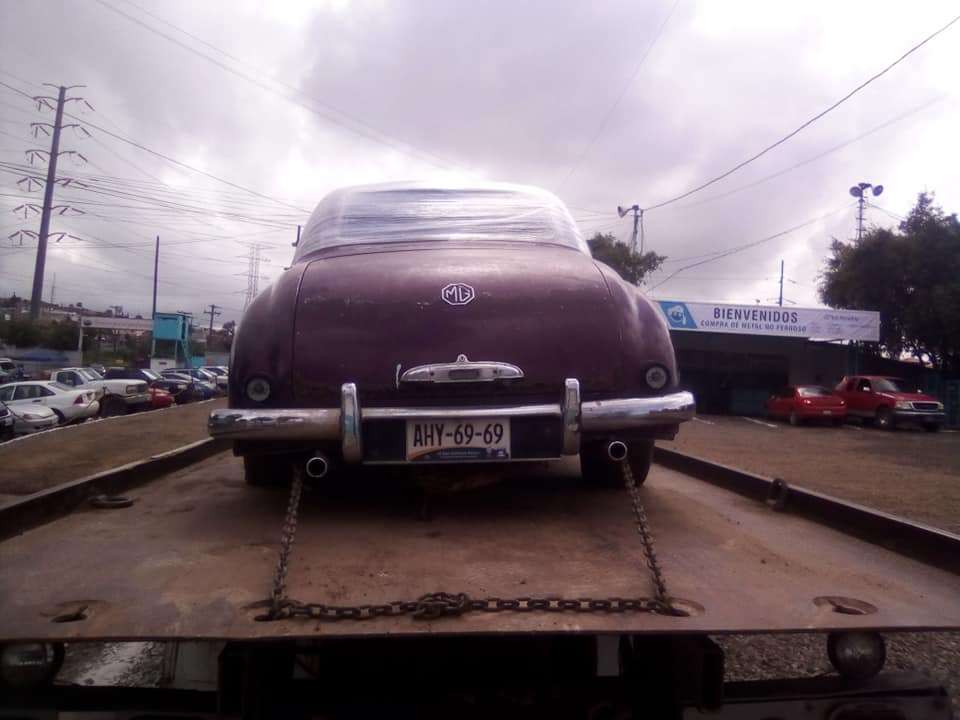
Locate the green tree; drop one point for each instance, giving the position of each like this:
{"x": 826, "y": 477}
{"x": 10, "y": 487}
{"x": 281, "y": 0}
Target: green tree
{"x": 632, "y": 266}
{"x": 22, "y": 333}
{"x": 61, "y": 335}
{"x": 911, "y": 276}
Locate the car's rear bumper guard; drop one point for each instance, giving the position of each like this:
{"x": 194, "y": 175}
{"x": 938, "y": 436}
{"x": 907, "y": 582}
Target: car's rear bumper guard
{"x": 344, "y": 423}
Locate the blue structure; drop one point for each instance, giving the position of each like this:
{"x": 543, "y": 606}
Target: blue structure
{"x": 171, "y": 340}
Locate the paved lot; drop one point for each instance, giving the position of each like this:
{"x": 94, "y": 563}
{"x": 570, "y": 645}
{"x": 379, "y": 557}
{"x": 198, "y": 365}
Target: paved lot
{"x": 40, "y": 461}
{"x": 908, "y": 472}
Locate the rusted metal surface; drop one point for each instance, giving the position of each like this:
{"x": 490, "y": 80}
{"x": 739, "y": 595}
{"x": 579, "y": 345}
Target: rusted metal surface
{"x": 195, "y": 554}
{"x": 923, "y": 542}
{"x": 18, "y": 515}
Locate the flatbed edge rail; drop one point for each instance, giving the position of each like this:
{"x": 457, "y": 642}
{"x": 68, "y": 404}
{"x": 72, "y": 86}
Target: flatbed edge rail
{"x": 41, "y": 507}
{"x": 912, "y": 539}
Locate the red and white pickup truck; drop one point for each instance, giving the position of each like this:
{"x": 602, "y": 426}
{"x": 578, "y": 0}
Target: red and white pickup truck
{"x": 885, "y": 401}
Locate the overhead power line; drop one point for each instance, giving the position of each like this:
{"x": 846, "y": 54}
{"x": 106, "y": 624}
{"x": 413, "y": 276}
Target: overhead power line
{"x": 807, "y": 123}
{"x": 352, "y": 124}
{"x": 746, "y": 246}
{"x": 169, "y": 159}
{"x": 814, "y": 158}
{"x": 616, "y": 103}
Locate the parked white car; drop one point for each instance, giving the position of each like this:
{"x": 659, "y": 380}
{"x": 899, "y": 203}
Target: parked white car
{"x": 117, "y": 397}
{"x": 68, "y": 404}
{"x": 6, "y": 422}
{"x": 31, "y": 419}
{"x": 220, "y": 372}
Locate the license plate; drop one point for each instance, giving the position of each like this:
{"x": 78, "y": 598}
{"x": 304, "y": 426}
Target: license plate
{"x": 828, "y": 412}
{"x": 460, "y": 440}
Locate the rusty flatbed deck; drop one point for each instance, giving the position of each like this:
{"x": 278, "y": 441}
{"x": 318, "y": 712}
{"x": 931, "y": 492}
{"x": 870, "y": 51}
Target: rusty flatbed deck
{"x": 198, "y": 548}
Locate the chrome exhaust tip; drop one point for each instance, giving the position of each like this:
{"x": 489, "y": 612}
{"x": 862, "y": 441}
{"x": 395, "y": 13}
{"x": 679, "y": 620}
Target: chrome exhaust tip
{"x": 317, "y": 467}
{"x": 617, "y": 451}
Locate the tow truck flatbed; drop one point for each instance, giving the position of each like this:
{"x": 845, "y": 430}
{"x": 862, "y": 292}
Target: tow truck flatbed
{"x": 194, "y": 556}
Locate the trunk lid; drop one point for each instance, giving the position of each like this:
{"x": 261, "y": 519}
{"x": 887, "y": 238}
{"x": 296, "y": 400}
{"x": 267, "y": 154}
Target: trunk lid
{"x": 367, "y": 317}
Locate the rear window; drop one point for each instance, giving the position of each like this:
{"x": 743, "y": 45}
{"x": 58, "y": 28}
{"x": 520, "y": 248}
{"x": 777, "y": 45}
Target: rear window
{"x": 888, "y": 385}
{"x": 811, "y": 391}
{"x": 59, "y": 386}
{"x": 409, "y": 212}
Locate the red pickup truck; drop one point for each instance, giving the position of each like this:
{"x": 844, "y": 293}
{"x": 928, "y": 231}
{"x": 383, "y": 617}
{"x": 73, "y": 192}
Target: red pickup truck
{"x": 885, "y": 401}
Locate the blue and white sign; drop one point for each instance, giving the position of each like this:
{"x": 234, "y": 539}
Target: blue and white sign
{"x": 821, "y": 323}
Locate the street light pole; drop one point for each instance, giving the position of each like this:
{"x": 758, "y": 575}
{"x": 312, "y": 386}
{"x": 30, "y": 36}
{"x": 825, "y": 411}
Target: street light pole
{"x": 859, "y": 191}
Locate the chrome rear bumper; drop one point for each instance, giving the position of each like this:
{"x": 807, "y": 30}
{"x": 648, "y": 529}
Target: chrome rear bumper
{"x": 344, "y": 423}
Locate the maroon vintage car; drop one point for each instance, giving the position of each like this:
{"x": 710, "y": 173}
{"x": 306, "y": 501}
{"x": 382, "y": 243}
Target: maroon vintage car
{"x": 426, "y": 324}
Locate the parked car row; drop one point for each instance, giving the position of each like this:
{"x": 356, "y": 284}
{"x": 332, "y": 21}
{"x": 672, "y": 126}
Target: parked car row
{"x": 41, "y": 404}
{"x": 872, "y": 399}
{"x": 75, "y": 394}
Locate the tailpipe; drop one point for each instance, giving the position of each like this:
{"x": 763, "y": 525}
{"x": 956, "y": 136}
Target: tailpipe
{"x": 617, "y": 451}
{"x": 317, "y": 466}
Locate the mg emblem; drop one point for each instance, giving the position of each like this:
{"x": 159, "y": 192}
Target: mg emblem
{"x": 457, "y": 294}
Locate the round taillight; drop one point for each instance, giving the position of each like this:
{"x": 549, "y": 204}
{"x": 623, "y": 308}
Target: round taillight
{"x": 258, "y": 389}
{"x": 657, "y": 377}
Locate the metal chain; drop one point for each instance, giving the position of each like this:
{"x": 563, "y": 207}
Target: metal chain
{"x": 287, "y": 536}
{"x": 443, "y": 604}
{"x": 646, "y": 537}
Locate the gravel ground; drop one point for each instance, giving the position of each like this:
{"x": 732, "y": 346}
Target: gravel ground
{"x": 128, "y": 664}
{"x": 759, "y": 657}
{"x": 908, "y": 473}
{"x": 36, "y": 462}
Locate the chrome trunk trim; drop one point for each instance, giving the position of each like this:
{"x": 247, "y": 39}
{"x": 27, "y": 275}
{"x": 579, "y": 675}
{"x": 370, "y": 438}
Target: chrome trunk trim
{"x": 462, "y": 371}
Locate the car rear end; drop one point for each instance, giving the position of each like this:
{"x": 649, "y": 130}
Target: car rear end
{"x": 455, "y": 351}
{"x": 819, "y": 403}
{"x": 84, "y": 404}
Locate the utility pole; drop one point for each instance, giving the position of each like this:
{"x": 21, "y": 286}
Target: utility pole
{"x": 53, "y": 290}
{"x": 780, "y": 302}
{"x": 637, "y": 224}
{"x": 212, "y": 312}
{"x": 80, "y": 333}
{"x": 36, "y": 297}
{"x": 156, "y": 265}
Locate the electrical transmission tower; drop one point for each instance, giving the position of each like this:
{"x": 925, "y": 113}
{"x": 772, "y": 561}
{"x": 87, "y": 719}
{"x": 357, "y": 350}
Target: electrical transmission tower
{"x": 254, "y": 259}
{"x": 31, "y": 183}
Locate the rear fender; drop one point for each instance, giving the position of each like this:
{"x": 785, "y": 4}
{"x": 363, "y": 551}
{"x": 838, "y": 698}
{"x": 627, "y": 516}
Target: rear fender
{"x": 263, "y": 341}
{"x": 644, "y": 337}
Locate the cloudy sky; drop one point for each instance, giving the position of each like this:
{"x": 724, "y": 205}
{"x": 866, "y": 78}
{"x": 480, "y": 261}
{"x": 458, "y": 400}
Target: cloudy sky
{"x": 603, "y": 103}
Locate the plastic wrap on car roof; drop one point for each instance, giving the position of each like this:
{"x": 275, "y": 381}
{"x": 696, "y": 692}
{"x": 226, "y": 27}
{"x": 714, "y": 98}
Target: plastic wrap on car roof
{"x": 418, "y": 212}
